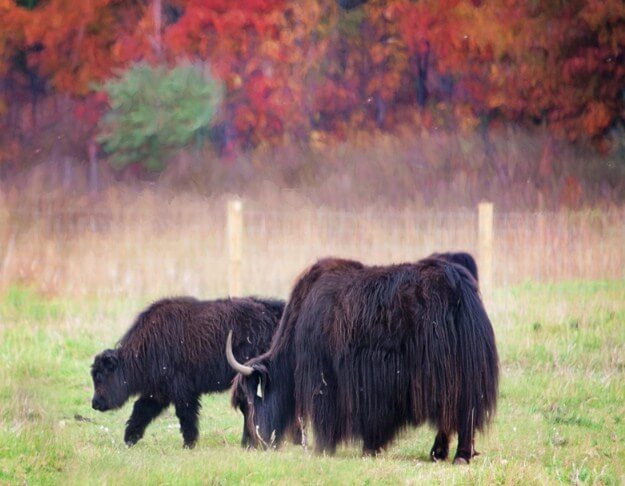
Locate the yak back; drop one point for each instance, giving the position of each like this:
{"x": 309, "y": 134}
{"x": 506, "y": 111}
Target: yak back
{"x": 304, "y": 283}
{"x": 274, "y": 306}
{"x": 379, "y": 308}
{"x": 182, "y": 333}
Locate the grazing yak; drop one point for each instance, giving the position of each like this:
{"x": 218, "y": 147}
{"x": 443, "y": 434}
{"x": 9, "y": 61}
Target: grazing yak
{"x": 367, "y": 351}
{"x": 174, "y": 352}
{"x": 245, "y": 396}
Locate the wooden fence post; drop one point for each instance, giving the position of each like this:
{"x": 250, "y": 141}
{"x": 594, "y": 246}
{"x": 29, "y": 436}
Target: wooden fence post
{"x": 485, "y": 248}
{"x": 7, "y": 252}
{"x": 235, "y": 246}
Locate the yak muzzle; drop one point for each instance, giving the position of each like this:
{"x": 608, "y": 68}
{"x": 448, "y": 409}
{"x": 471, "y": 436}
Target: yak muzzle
{"x": 99, "y": 404}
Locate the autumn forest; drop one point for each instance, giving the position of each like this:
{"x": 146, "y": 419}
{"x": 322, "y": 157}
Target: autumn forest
{"x": 513, "y": 93}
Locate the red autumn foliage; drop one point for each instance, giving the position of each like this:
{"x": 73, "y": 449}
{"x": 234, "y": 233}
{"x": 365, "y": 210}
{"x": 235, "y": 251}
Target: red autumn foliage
{"x": 294, "y": 68}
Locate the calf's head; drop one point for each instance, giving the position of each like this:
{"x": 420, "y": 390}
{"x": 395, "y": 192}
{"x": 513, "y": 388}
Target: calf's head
{"x": 110, "y": 387}
{"x": 259, "y": 401}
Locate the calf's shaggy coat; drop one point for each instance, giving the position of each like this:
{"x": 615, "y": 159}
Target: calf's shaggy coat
{"x": 174, "y": 352}
{"x": 368, "y": 351}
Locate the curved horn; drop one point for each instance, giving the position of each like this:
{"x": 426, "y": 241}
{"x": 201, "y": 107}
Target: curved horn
{"x": 232, "y": 361}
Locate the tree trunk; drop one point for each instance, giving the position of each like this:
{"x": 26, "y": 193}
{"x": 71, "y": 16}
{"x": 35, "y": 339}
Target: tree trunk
{"x": 420, "y": 64}
{"x": 92, "y": 149}
{"x": 380, "y": 110}
{"x": 157, "y": 10}
{"x": 68, "y": 175}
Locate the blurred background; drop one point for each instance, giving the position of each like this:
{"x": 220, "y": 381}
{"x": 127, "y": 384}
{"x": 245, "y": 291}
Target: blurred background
{"x": 369, "y": 130}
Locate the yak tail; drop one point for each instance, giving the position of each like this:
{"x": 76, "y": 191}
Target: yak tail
{"x": 476, "y": 353}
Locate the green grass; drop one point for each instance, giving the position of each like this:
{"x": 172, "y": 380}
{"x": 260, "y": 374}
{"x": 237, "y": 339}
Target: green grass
{"x": 561, "y": 415}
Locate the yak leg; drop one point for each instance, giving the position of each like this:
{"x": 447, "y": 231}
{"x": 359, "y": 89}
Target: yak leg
{"x": 245, "y": 438}
{"x": 465, "y": 450}
{"x": 144, "y": 411}
{"x": 187, "y": 412}
{"x": 297, "y": 437}
{"x": 325, "y": 430}
{"x": 370, "y": 450}
{"x": 376, "y": 438}
{"x": 378, "y": 424}
{"x": 324, "y": 420}
{"x": 440, "y": 449}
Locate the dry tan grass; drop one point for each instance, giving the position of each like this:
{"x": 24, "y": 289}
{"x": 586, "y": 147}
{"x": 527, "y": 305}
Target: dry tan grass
{"x": 154, "y": 244}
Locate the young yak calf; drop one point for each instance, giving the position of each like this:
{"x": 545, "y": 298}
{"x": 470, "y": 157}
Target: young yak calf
{"x": 174, "y": 352}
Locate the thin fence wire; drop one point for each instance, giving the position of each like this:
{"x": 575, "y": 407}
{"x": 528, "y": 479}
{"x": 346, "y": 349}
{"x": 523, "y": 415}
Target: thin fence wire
{"x": 168, "y": 249}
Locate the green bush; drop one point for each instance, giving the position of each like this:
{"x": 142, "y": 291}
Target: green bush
{"x": 154, "y": 110}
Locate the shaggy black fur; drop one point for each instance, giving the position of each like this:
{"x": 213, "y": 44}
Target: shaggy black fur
{"x": 366, "y": 351}
{"x": 461, "y": 258}
{"x": 274, "y": 417}
{"x": 174, "y": 352}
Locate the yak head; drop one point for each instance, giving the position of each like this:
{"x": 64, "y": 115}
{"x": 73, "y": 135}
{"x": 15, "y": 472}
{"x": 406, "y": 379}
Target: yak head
{"x": 111, "y": 389}
{"x": 260, "y": 402}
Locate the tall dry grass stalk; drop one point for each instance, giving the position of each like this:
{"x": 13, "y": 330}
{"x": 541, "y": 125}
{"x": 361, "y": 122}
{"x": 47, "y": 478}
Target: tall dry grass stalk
{"x": 153, "y": 244}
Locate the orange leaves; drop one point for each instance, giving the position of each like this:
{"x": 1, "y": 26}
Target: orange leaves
{"x": 334, "y": 99}
{"x": 416, "y": 22}
{"x": 231, "y": 22}
{"x": 75, "y": 40}
{"x": 297, "y": 65}
{"x": 597, "y": 117}
{"x": 13, "y": 21}
{"x": 586, "y": 62}
{"x": 596, "y": 12}
{"x": 553, "y": 63}
{"x": 426, "y": 20}
{"x": 257, "y": 47}
{"x": 581, "y": 73}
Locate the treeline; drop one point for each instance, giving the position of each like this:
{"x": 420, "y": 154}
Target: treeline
{"x": 311, "y": 71}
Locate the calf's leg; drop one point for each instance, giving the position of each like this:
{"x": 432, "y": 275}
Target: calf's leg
{"x": 187, "y": 412}
{"x": 144, "y": 411}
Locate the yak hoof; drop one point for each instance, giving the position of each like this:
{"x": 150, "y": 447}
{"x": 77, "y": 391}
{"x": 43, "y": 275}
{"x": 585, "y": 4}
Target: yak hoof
{"x": 131, "y": 440}
{"x": 189, "y": 445}
{"x": 461, "y": 461}
{"x": 438, "y": 454}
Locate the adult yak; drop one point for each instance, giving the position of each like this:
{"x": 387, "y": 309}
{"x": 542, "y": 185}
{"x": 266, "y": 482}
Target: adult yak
{"x": 368, "y": 351}
{"x": 173, "y": 353}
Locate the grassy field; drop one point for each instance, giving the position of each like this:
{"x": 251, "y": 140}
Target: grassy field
{"x": 561, "y": 415}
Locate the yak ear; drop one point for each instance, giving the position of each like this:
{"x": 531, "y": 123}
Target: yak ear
{"x": 261, "y": 370}
{"x": 110, "y": 359}
{"x": 263, "y": 377}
